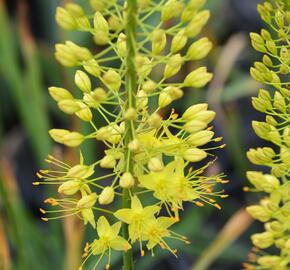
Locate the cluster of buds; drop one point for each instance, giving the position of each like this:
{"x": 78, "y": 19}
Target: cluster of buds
{"x": 146, "y": 152}
{"x": 273, "y": 210}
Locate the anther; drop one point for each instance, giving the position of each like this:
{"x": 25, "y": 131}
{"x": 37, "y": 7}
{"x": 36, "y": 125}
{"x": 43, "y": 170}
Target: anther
{"x": 44, "y": 219}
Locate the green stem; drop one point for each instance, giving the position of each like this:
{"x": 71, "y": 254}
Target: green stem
{"x": 131, "y": 89}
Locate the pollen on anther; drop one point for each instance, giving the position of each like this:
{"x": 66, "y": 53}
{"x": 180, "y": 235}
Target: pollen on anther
{"x": 42, "y": 210}
{"x": 142, "y": 253}
{"x": 200, "y": 204}
{"x": 44, "y": 219}
{"x": 36, "y": 183}
{"x": 217, "y": 206}
{"x": 107, "y": 266}
{"x": 246, "y": 189}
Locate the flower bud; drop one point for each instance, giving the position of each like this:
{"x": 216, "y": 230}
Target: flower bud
{"x": 81, "y": 53}
{"x": 87, "y": 201}
{"x": 102, "y": 134}
{"x": 197, "y": 23}
{"x": 154, "y": 120}
{"x": 194, "y": 155}
{"x": 155, "y": 165}
{"x": 263, "y": 240}
{"x": 92, "y": 67}
{"x": 192, "y": 7}
{"x": 142, "y": 99}
{"x": 194, "y": 125}
{"x": 99, "y": 95}
{"x": 71, "y": 139}
{"x": 121, "y": 45}
{"x": 149, "y": 86}
{"x": 83, "y": 81}
{"x": 269, "y": 261}
{"x": 115, "y": 24}
{"x": 127, "y": 180}
{"x": 279, "y": 102}
{"x": 134, "y": 146}
{"x": 279, "y": 19}
{"x": 158, "y": 41}
{"x": 107, "y": 196}
{"x": 193, "y": 110}
{"x": 178, "y": 41}
{"x": 65, "y": 19}
{"x": 75, "y": 10}
{"x": 164, "y": 99}
{"x": 70, "y": 187}
{"x": 198, "y": 78}
{"x": 200, "y": 138}
{"x": 171, "y": 9}
{"x": 199, "y": 49}
{"x": 100, "y": 23}
{"x": 65, "y": 55}
{"x": 83, "y": 24}
{"x": 261, "y": 156}
{"x": 80, "y": 171}
{"x": 69, "y": 106}
{"x": 263, "y": 182}
{"x": 259, "y": 212}
{"x": 108, "y": 162}
{"x": 258, "y": 42}
{"x": 112, "y": 79}
{"x": 143, "y": 66}
{"x": 204, "y": 116}
{"x": 59, "y": 94}
{"x": 173, "y": 66}
{"x": 130, "y": 114}
{"x": 85, "y": 112}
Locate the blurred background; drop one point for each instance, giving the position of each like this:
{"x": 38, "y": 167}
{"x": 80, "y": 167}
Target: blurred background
{"x": 28, "y": 32}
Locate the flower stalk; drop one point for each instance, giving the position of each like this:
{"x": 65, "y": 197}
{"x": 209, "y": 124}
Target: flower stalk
{"x": 131, "y": 92}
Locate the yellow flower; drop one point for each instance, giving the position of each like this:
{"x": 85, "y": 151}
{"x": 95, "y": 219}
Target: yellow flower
{"x": 170, "y": 185}
{"x": 108, "y": 240}
{"x": 137, "y": 217}
{"x": 156, "y": 230}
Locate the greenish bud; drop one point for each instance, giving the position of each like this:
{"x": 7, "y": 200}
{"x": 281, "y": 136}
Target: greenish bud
{"x": 263, "y": 240}
{"x": 199, "y": 49}
{"x": 178, "y": 41}
{"x": 112, "y": 80}
{"x": 198, "y": 78}
{"x": 92, "y": 67}
{"x": 259, "y": 212}
{"x": 173, "y": 66}
{"x": 197, "y": 23}
{"x": 59, "y": 94}
{"x": 83, "y": 81}
{"x": 258, "y": 42}
{"x": 158, "y": 40}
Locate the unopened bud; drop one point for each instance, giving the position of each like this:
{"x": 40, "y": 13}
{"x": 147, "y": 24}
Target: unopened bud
{"x": 178, "y": 41}
{"x": 70, "y": 187}
{"x": 155, "y": 165}
{"x": 199, "y": 49}
{"x": 198, "y": 78}
{"x": 112, "y": 79}
{"x": 127, "y": 180}
{"x": 107, "y": 196}
{"x": 83, "y": 81}
{"x": 194, "y": 155}
{"x": 59, "y": 94}
{"x": 87, "y": 201}
{"x": 108, "y": 162}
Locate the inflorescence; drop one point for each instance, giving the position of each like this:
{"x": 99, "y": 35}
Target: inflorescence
{"x": 272, "y": 246}
{"x": 146, "y": 153}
